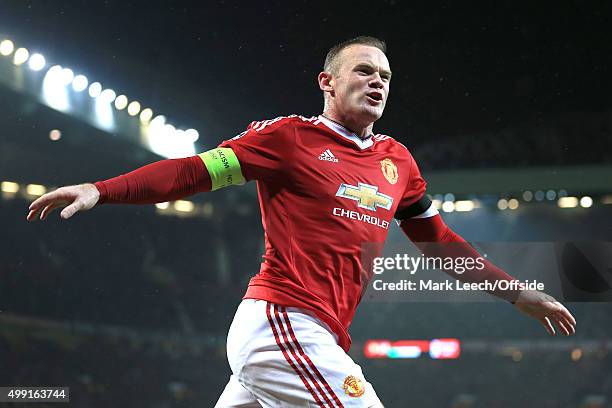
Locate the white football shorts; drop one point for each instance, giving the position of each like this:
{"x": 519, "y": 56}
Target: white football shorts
{"x": 287, "y": 357}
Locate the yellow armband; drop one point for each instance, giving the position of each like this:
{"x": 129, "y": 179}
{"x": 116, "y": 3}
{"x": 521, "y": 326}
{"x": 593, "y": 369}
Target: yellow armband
{"x": 223, "y": 167}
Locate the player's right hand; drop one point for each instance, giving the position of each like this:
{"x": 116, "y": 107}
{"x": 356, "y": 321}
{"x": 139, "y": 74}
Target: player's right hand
{"x": 75, "y": 198}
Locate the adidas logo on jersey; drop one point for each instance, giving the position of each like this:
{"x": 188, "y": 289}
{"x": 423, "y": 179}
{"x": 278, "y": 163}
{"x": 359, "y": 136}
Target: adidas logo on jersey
{"x": 327, "y": 155}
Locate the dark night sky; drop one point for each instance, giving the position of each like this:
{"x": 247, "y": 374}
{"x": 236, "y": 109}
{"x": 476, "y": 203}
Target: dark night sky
{"x": 458, "y": 68}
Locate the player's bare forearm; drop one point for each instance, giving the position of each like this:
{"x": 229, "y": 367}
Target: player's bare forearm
{"x": 548, "y": 311}
{"x": 75, "y": 198}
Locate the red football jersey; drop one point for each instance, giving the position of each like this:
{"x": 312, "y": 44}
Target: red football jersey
{"x": 323, "y": 193}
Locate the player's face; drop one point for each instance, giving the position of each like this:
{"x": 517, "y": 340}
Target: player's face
{"x": 361, "y": 85}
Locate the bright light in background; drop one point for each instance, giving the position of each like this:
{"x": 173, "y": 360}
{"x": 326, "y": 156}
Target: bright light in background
{"x": 133, "y": 108}
{"x": 79, "y": 83}
{"x": 586, "y": 202}
{"x": 121, "y": 102}
{"x": 158, "y": 122}
{"x": 37, "y": 62}
{"x": 54, "y": 91}
{"x": 95, "y": 89}
{"x": 108, "y": 95}
{"x": 104, "y": 112}
{"x": 448, "y": 206}
{"x": 146, "y": 115}
{"x": 6, "y": 47}
{"x": 21, "y": 56}
{"x": 183, "y": 206}
{"x": 67, "y": 76}
{"x": 464, "y": 205}
{"x": 166, "y": 141}
{"x": 502, "y": 204}
{"x": 513, "y": 203}
{"x": 35, "y": 189}
{"x": 162, "y": 206}
{"x": 192, "y": 135}
{"x": 55, "y": 135}
{"x": 169, "y": 130}
{"x": 567, "y": 202}
{"x": 9, "y": 187}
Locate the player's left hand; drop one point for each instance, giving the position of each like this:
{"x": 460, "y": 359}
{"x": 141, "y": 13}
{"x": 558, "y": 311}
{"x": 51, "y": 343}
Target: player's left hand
{"x": 545, "y": 309}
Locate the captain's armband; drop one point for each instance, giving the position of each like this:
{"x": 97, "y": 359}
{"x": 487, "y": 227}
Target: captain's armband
{"x": 223, "y": 167}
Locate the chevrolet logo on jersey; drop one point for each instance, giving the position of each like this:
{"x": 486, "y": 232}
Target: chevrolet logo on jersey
{"x": 367, "y": 196}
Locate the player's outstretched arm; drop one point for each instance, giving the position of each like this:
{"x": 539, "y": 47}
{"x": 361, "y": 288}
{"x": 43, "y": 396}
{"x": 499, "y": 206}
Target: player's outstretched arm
{"x": 75, "y": 198}
{"x": 538, "y": 305}
{"x": 165, "y": 180}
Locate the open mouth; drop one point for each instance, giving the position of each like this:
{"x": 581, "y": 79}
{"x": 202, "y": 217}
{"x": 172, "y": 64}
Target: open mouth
{"x": 375, "y": 97}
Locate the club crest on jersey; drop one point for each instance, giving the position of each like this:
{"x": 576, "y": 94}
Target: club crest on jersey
{"x": 353, "y": 387}
{"x": 389, "y": 170}
{"x": 367, "y": 196}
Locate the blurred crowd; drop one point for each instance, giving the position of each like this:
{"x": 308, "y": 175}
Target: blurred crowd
{"x": 575, "y": 139}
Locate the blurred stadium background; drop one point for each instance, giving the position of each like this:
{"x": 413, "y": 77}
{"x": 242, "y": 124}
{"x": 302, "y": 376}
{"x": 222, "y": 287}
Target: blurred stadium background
{"x": 508, "y": 113}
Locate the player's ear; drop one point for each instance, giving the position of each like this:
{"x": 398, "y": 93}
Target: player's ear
{"x": 326, "y": 81}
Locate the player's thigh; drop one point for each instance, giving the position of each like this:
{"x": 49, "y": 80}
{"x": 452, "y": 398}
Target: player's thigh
{"x": 304, "y": 366}
{"x": 236, "y": 396}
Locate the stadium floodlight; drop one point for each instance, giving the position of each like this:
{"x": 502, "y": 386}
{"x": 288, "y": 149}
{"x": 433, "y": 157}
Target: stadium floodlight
{"x": 21, "y": 56}
{"x": 35, "y": 189}
{"x": 159, "y": 121}
{"x": 79, "y": 83}
{"x": 6, "y": 47}
{"x": 146, "y": 115}
{"x": 37, "y": 62}
{"x": 464, "y": 205}
{"x": 121, "y": 102}
{"x": 108, "y": 95}
{"x": 55, "y": 135}
{"x": 184, "y": 206}
{"x": 67, "y": 76}
{"x": 9, "y": 187}
{"x": 192, "y": 135}
{"x": 133, "y": 108}
{"x": 53, "y": 90}
{"x": 567, "y": 202}
{"x": 169, "y": 130}
{"x": 586, "y": 202}
{"x": 95, "y": 89}
{"x": 448, "y": 206}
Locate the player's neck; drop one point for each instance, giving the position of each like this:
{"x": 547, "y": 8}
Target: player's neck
{"x": 360, "y": 131}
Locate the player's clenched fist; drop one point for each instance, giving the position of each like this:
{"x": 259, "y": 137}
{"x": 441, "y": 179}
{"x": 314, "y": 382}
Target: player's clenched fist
{"x": 75, "y": 198}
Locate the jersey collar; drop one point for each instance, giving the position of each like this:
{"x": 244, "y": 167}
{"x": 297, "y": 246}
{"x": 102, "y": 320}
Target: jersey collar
{"x": 347, "y": 134}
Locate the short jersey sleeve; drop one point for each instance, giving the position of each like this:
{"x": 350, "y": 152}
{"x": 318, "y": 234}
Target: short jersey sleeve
{"x": 414, "y": 201}
{"x": 264, "y": 149}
